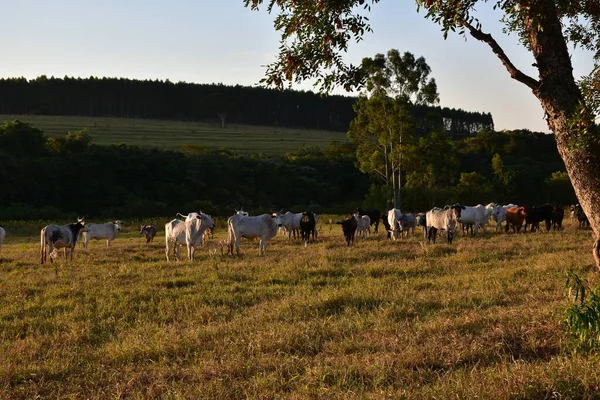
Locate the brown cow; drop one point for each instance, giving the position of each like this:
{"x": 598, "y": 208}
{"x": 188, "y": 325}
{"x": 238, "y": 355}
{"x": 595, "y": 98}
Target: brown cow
{"x": 149, "y": 231}
{"x": 515, "y": 216}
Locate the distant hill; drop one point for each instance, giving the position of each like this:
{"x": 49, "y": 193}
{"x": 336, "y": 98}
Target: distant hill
{"x": 210, "y": 103}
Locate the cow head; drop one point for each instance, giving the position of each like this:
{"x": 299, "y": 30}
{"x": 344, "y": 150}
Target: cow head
{"x": 118, "y": 225}
{"x": 206, "y": 219}
{"x": 276, "y": 216}
{"x": 457, "y": 209}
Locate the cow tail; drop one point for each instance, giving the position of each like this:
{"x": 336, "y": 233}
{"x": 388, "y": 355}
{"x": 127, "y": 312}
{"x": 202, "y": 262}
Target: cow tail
{"x": 43, "y": 244}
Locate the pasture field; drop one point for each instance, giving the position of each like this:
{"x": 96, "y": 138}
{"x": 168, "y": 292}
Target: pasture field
{"x": 172, "y": 135}
{"x": 482, "y": 318}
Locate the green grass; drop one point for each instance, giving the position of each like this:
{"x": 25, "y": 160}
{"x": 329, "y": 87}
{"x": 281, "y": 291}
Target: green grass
{"x": 482, "y": 318}
{"x": 174, "y": 134}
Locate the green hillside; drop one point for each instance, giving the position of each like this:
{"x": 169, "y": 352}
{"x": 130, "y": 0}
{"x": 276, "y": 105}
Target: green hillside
{"x": 174, "y": 134}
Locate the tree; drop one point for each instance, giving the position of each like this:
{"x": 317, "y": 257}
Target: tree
{"x": 313, "y": 33}
{"x": 384, "y": 128}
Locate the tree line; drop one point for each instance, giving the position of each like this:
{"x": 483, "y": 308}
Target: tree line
{"x": 157, "y": 99}
{"x": 50, "y": 178}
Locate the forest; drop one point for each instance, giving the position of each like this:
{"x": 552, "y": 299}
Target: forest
{"x": 130, "y": 98}
{"x": 48, "y": 177}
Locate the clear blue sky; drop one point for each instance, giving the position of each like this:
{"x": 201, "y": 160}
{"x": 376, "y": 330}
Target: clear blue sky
{"x": 220, "y": 41}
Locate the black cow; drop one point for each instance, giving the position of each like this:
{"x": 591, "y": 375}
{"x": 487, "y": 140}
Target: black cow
{"x": 580, "y": 215}
{"x": 537, "y": 214}
{"x": 307, "y": 227}
{"x": 386, "y": 225}
{"x": 149, "y": 231}
{"x": 349, "y": 226}
{"x": 558, "y": 213}
{"x": 421, "y": 220}
{"x": 375, "y": 215}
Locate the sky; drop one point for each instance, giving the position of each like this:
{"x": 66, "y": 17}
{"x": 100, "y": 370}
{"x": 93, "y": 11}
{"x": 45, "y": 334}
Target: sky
{"x": 221, "y": 41}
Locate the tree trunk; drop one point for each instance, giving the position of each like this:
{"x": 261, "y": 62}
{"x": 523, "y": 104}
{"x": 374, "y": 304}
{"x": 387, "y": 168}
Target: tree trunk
{"x": 577, "y": 136}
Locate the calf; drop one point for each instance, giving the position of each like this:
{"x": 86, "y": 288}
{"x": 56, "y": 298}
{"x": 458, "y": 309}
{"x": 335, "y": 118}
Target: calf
{"x": 349, "y": 226}
{"x": 558, "y": 213}
{"x": 58, "y": 237}
{"x": 149, "y": 231}
{"x": 421, "y": 220}
{"x": 515, "y": 216}
{"x": 106, "y": 231}
{"x": 307, "y": 227}
{"x": 374, "y": 216}
{"x": 386, "y": 225}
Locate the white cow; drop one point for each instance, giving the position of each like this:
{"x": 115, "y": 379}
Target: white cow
{"x": 58, "y": 237}
{"x": 186, "y": 233}
{"x": 261, "y": 226}
{"x": 477, "y": 217}
{"x": 393, "y": 218}
{"x": 2, "y": 236}
{"x": 407, "y": 222}
{"x": 446, "y": 219}
{"x": 106, "y": 231}
{"x": 363, "y": 225}
{"x": 498, "y": 212}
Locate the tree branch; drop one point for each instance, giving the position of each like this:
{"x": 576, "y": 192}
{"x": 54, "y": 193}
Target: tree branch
{"x": 514, "y": 72}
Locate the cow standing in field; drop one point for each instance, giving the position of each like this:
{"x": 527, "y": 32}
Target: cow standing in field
{"x": 499, "y": 213}
{"x": 186, "y": 233}
{"x": 582, "y": 219}
{"x": 474, "y": 217}
{"x": 149, "y": 231}
{"x": 261, "y": 226}
{"x": 537, "y": 214}
{"x": 393, "y": 218}
{"x": 349, "y": 226}
{"x": 446, "y": 219}
{"x": 307, "y": 227}
{"x": 2, "y": 236}
{"x": 374, "y": 216}
{"x": 515, "y": 216}
{"x": 363, "y": 225}
{"x": 386, "y": 225}
{"x": 57, "y": 237}
{"x": 408, "y": 223}
{"x": 106, "y": 231}
{"x": 421, "y": 220}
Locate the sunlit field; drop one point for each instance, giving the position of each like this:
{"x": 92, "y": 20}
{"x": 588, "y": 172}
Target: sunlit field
{"x": 482, "y": 318}
{"x": 173, "y": 135}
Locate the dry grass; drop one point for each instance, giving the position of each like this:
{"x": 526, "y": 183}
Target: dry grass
{"x": 481, "y": 318}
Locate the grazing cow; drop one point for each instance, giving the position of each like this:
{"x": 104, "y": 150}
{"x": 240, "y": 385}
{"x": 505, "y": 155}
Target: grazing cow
{"x": 349, "y": 226}
{"x": 149, "y": 231}
{"x": 186, "y": 233}
{"x": 261, "y": 226}
{"x": 2, "y": 236}
{"x": 307, "y": 227}
{"x": 408, "y": 222}
{"x": 537, "y": 214}
{"x": 363, "y": 225}
{"x": 582, "y": 219}
{"x": 393, "y": 218}
{"x": 57, "y": 237}
{"x": 558, "y": 213}
{"x": 421, "y": 220}
{"x": 515, "y": 216}
{"x": 477, "y": 216}
{"x": 106, "y": 231}
{"x": 446, "y": 219}
{"x": 386, "y": 224}
{"x": 374, "y": 215}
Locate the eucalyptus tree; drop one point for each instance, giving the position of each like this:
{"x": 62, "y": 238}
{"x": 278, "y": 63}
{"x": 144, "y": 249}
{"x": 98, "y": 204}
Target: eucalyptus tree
{"x": 383, "y": 129}
{"x": 314, "y": 33}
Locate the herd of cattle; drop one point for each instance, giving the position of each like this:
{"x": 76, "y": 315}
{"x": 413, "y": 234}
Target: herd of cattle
{"x": 194, "y": 228}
